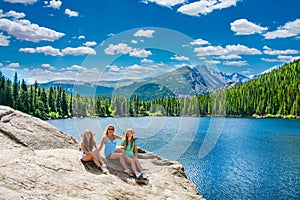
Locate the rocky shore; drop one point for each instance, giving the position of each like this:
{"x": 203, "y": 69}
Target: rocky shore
{"x": 37, "y": 161}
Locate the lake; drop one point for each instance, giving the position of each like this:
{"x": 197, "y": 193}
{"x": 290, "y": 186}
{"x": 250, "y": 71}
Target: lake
{"x": 226, "y": 158}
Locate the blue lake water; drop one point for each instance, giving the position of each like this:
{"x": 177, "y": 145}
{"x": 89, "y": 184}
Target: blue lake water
{"x": 226, "y": 158}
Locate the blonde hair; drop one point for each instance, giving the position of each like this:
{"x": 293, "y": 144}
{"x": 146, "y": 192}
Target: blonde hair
{"x": 106, "y": 129}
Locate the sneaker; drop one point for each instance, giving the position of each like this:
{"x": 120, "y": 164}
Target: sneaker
{"x": 144, "y": 176}
{"x": 103, "y": 169}
{"x": 137, "y": 174}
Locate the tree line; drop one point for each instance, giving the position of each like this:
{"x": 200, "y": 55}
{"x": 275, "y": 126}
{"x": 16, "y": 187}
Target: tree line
{"x": 276, "y": 94}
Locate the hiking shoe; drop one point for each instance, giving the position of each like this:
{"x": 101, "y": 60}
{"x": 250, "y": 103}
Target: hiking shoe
{"x": 144, "y": 176}
{"x": 137, "y": 174}
{"x": 103, "y": 169}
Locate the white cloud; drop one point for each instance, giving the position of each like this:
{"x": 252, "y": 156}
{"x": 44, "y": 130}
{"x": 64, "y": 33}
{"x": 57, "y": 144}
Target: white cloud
{"x": 90, "y": 43}
{"x": 1, "y": 64}
{"x": 81, "y": 37}
{"x": 78, "y": 51}
{"x": 180, "y": 58}
{"x": 241, "y": 49}
{"x": 244, "y": 27}
{"x": 144, "y": 33}
{"x": 25, "y": 30}
{"x": 290, "y": 29}
{"x": 167, "y": 3}
{"x": 140, "y": 53}
{"x": 53, "y": 4}
{"x": 210, "y": 50}
{"x": 228, "y": 57}
{"x": 13, "y": 65}
{"x": 47, "y": 50}
{"x": 71, "y": 13}
{"x": 199, "y": 42}
{"x": 235, "y": 63}
{"x": 120, "y": 48}
{"x": 147, "y": 61}
{"x": 21, "y": 1}
{"x": 76, "y": 68}
{"x": 123, "y": 48}
{"x": 14, "y": 14}
{"x": 48, "y": 66}
{"x": 269, "y": 51}
{"x": 228, "y": 50}
{"x": 205, "y": 6}
{"x": 44, "y": 75}
{"x": 282, "y": 59}
{"x": 134, "y": 41}
{"x": 4, "y": 40}
{"x": 212, "y": 62}
{"x": 113, "y": 68}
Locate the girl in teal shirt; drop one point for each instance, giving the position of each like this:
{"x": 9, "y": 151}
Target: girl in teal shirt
{"x": 131, "y": 149}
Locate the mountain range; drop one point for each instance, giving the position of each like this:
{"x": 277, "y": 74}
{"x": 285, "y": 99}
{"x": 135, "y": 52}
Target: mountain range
{"x": 183, "y": 81}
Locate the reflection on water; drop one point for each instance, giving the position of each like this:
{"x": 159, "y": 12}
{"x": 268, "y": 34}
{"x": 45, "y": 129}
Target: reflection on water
{"x": 249, "y": 158}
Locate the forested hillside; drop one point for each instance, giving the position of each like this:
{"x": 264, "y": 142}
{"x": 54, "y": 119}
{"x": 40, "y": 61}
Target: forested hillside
{"x": 275, "y": 94}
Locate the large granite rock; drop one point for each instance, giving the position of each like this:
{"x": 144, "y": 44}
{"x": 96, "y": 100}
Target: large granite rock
{"x": 37, "y": 161}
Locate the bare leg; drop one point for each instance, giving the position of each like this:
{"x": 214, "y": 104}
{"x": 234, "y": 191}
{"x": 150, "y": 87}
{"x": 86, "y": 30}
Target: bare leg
{"x": 121, "y": 158}
{"x": 132, "y": 163}
{"x": 138, "y": 164}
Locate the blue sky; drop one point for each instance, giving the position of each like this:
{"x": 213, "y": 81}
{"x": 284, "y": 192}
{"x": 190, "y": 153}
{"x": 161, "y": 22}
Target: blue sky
{"x": 117, "y": 39}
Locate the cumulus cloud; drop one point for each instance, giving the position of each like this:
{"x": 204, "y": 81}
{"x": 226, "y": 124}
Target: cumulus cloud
{"x": 235, "y": 63}
{"x": 229, "y": 49}
{"x": 123, "y": 48}
{"x": 14, "y": 14}
{"x": 78, "y": 51}
{"x": 180, "y": 58}
{"x": 269, "y": 51}
{"x": 290, "y": 29}
{"x": 90, "y": 43}
{"x": 281, "y": 59}
{"x": 144, "y": 33}
{"x": 140, "y": 53}
{"x": 81, "y": 37}
{"x": 76, "y": 68}
{"x": 199, "y": 42}
{"x": 244, "y": 27}
{"x": 53, "y": 4}
{"x": 4, "y": 40}
{"x": 167, "y": 3}
{"x": 25, "y": 30}
{"x": 212, "y": 62}
{"x": 13, "y": 65}
{"x": 71, "y": 13}
{"x": 205, "y": 6}
{"x": 147, "y": 61}
{"x": 228, "y": 57}
{"x": 120, "y": 48}
{"x": 134, "y": 41}
{"x": 21, "y": 1}
{"x": 48, "y": 66}
{"x": 47, "y": 50}
{"x": 45, "y": 75}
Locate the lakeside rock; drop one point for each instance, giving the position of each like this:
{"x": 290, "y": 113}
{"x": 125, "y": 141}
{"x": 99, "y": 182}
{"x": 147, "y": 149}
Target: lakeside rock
{"x": 40, "y": 162}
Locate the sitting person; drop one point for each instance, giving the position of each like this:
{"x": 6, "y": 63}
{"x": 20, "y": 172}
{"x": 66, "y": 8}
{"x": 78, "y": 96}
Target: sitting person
{"x": 131, "y": 150}
{"x": 87, "y": 145}
{"x": 111, "y": 151}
